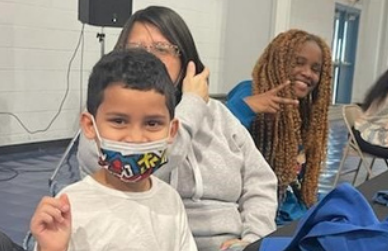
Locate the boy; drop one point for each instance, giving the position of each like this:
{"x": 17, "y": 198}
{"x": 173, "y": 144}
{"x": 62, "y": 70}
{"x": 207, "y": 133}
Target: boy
{"x": 130, "y": 104}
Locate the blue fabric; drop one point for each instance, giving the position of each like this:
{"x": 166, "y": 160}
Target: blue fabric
{"x": 290, "y": 209}
{"x": 343, "y": 220}
{"x": 236, "y": 104}
{"x": 381, "y": 197}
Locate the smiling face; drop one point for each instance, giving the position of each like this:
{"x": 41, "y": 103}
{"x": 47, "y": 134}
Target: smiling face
{"x": 129, "y": 116}
{"x": 133, "y": 116}
{"x": 307, "y": 70}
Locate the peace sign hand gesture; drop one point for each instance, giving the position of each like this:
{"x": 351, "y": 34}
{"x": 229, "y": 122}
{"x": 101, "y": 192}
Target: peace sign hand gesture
{"x": 269, "y": 102}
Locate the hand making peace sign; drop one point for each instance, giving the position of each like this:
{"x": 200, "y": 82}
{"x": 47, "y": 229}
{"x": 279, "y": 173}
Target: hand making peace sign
{"x": 269, "y": 102}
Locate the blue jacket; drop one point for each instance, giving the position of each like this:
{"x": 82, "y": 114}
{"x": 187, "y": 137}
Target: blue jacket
{"x": 236, "y": 104}
{"x": 343, "y": 220}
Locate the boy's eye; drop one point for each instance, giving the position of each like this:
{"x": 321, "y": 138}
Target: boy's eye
{"x": 154, "y": 124}
{"x": 118, "y": 121}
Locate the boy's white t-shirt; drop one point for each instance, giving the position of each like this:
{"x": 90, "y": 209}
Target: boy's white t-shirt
{"x": 106, "y": 219}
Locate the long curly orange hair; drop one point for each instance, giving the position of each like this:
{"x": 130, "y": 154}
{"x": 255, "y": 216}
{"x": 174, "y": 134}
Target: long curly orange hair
{"x": 279, "y": 135}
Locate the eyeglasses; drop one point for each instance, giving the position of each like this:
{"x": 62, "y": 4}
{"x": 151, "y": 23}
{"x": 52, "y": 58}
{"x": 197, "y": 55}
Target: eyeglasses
{"x": 159, "y": 49}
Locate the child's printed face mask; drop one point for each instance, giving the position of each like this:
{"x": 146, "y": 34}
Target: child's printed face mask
{"x": 131, "y": 162}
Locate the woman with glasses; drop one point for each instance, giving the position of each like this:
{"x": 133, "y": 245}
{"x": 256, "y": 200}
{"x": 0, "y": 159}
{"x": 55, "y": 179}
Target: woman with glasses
{"x": 228, "y": 189}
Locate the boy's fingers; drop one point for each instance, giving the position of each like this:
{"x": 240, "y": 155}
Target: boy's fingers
{"x": 48, "y": 214}
{"x": 48, "y": 218}
{"x": 66, "y": 212}
{"x": 65, "y": 203}
{"x": 49, "y": 202}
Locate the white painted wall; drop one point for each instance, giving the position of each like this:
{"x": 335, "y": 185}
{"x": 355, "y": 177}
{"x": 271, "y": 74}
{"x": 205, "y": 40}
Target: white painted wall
{"x": 37, "y": 42}
{"x": 39, "y": 38}
{"x": 313, "y": 16}
{"x": 247, "y": 30}
{"x": 372, "y": 53}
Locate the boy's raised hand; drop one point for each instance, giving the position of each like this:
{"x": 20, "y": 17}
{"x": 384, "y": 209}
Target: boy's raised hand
{"x": 197, "y": 84}
{"x": 269, "y": 101}
{"x": 51, "y": 224}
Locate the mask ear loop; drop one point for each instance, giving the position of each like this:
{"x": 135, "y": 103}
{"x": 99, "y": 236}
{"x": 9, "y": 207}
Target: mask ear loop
{"x": 99, "y": 140}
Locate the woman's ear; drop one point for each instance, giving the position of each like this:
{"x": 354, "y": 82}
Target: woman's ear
{"x": 174, "y": 126}
{"x": 86, "y": 122}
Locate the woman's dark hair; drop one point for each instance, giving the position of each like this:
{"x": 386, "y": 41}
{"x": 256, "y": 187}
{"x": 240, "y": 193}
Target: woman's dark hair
{"x": 174, "y": 28}
{"x": 377, "y": 93}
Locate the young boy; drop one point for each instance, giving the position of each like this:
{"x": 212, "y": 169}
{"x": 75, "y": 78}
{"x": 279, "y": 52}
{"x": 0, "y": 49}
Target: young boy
{"x": 130, "y": 105}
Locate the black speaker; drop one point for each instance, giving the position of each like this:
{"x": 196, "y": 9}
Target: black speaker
{"x": 107, "y": 13}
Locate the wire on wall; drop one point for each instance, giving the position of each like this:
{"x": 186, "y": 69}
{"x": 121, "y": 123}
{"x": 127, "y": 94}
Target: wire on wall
{"x": 80, "y": 39}
{"x": 81, "y": 67}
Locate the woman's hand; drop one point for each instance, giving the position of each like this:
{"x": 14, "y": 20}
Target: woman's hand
{"x": 51, "y": 224}
{"x": 197, "y": 84}
{"x": 269, "y": 102}
{"x": 234, "y": 244}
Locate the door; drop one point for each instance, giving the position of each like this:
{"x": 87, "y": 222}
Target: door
{"x": 344, "y": 45}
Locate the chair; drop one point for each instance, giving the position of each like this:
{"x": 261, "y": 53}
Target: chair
{"x": 350, "y": 113}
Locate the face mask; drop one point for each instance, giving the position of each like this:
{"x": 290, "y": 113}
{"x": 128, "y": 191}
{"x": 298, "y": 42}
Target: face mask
{"x": 131, "y": 162}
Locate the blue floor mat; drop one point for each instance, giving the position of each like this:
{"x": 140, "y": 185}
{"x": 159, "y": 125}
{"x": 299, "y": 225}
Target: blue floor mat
{"x": 24, "y": 181}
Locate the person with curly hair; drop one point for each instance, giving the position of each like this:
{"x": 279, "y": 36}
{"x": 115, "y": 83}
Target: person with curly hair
{"x": 285, "y": 107}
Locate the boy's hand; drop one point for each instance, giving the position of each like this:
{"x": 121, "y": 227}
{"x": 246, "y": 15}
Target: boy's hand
{"x": 197, "y": 84}
{"x": 51, "y": 223}
{"x": 269, "y": 101}
{"x": 234, "y": 245}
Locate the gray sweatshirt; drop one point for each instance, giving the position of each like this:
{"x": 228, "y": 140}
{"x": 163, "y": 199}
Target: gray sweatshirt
{"x": 228, "y": 189}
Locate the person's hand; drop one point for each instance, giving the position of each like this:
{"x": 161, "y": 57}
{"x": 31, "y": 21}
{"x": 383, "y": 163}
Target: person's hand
{"x": 269, "y": 102}
{"x": 234, "y": 244}
{"x": 51, "y": 224}
{"x": 196, "y": 84}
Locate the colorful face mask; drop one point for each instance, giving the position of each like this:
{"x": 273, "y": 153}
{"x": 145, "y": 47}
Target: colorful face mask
{"x": 131, "y": 162}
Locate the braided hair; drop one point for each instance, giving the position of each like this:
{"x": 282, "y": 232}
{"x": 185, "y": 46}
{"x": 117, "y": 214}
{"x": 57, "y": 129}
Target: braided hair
{"x": 278, "y": 136}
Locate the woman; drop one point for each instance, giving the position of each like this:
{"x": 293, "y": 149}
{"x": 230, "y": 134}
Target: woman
{"x": 371, "y": 129}
{"x": 228, "y": 189}
{"x": 285, "y": 107}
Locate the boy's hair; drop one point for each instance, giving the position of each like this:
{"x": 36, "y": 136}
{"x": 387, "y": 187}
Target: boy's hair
{"x": 174, "y": 28}
{"x": 134, "y": 69}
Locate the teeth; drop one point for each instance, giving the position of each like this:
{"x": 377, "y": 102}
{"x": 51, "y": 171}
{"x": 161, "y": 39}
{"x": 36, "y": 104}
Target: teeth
{"x": 303, "y": 82}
